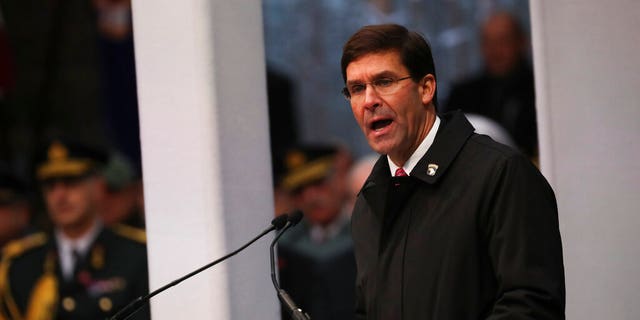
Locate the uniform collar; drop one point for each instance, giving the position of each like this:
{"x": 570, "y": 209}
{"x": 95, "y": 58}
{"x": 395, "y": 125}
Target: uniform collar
{"x": 450, "y": 139}
{"x": 320, "y": 234}
{"x": 66, "y": 246}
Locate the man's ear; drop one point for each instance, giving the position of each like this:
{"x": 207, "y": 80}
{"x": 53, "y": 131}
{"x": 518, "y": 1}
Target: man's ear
{"x": 428, "y": 86}
{"x": 99, "y": 187}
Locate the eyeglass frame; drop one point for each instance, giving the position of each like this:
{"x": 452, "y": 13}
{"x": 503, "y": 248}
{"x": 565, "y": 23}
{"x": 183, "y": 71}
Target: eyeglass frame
{"x": 347, "y": 95}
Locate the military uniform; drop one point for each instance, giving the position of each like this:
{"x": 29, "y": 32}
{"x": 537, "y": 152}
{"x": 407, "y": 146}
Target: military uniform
{"x": 320, "y": 276}
{"x": 90, "y": 275}
{"x": 316, "y": 260}
{"x": 109, "y": 276}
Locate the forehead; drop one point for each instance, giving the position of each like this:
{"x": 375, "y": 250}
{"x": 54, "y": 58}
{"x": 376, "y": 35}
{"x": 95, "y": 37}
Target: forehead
{"x": 72, "y": 182}
{"x": 500, "y": 26}
{"x": 387, "y": 63}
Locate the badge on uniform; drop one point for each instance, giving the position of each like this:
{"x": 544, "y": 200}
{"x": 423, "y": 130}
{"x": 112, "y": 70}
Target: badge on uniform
{"x": 431, "y": 169}
{"x": 100, "y": 287}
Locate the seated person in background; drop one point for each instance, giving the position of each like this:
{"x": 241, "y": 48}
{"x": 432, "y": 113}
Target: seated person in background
{"x": 358, "y": 174}
{"x": 14, "y": 207}
{"x": 80, "y": 270}
{"x": 123, "y": 201}
{"x": 504, "y": 91}
{"x": 316, "y": 262}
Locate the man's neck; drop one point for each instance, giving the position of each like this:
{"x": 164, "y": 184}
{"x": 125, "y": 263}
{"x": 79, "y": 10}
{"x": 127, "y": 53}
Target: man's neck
{"x": 78, "y": 230}
{"x": 399, "y": 159}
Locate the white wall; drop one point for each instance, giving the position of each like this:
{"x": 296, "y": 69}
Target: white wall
{"x": 588, "y": 95}
{"x": 206, "y": 157}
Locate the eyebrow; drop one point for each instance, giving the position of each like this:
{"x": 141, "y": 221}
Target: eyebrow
{"x": 379, "y": 75}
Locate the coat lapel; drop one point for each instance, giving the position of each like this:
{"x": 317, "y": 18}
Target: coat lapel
{"x": 375, "y": 188}
{"x": 451, "y": 137}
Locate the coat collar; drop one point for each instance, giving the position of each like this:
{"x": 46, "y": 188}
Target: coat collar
{"x": 450, "y": 139}
{"x": 453, "y": 133}
{"x": 375, "y": 188}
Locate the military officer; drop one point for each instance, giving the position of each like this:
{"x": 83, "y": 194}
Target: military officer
{"x": 81, "y": 269}
{"x": 317, "y": 266}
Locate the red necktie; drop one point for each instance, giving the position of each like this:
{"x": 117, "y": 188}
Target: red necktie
{"x": 400, "y": 173}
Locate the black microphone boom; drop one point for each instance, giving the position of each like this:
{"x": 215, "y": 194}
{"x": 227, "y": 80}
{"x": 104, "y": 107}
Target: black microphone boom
{"x": 294, "y": 311}
{"x": 129, "y": 310}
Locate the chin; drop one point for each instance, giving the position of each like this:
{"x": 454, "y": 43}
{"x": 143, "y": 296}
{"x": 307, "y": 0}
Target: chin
{"x": 380, "y": 148}
{"x": 321, "y": 218}
{"x": 64, "y": 219}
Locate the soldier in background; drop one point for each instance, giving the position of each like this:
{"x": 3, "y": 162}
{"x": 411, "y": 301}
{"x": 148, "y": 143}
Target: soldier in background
{"x": 80, "y": 270}
{"x": 15, "y": 210}
{"x": 317, "y": 266}
{"x": 123, "y": 201}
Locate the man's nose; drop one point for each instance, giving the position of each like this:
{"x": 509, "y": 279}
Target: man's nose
{"x": 371, "y": 98}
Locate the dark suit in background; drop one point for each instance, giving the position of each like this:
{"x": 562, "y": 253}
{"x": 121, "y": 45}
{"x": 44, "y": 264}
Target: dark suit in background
{"x": 504, "y": 90}
{"x": 509, "y": 100}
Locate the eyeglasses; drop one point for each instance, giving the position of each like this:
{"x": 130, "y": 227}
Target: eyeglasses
{"x": 383, "y": 86}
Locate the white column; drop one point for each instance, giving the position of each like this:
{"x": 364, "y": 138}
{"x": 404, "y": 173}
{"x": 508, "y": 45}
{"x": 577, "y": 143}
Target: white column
{"x": 206, "y": 157}
{"x": 587, "y": 70}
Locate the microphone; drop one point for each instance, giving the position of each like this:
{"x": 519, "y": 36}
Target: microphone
{"x": 292, "y": 309}
{"x": 134, "y": 306}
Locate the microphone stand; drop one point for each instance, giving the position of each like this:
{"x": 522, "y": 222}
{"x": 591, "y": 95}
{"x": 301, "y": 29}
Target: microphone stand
{"x": 294, "y": 311}
{"x": 135, "y": 305}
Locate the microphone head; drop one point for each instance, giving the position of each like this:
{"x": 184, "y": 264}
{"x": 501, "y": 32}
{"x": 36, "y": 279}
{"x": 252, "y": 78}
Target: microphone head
{"x": 295, "y": 217}
{"x": 279, "y": 221}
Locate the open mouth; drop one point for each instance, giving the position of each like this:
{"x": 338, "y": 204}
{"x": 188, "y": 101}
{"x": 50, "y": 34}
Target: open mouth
{"x": 379, "y": 124}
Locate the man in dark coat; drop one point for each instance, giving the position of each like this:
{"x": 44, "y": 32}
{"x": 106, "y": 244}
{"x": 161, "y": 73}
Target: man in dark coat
{"x": 450, "y": 224}
{"x": 80, "y": 270}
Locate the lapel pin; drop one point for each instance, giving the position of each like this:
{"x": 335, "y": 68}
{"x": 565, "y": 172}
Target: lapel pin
{"x": 431, "y": 169}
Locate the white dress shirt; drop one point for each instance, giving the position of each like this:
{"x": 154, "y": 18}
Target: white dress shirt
{"x": 419, "y": 153}
{"x": 66, "y": 246}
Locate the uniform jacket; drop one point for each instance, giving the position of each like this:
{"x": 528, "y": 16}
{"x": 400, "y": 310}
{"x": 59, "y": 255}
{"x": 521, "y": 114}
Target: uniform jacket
{"x": 472, "y": 233}
{"x": 319, "y": 277}
{"x": 113, "y": 272}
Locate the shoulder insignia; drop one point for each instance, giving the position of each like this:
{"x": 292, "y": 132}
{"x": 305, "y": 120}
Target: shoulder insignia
{"x": 129, "y": 232}
{"x": 11, "y": 250}
{"x": 18, "y": 247}
{"x": 44, "y": 297}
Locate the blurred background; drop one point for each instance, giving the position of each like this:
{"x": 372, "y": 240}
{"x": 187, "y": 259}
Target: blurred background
{"x": 303, "y": 41}
{"x": 67, "y": 67}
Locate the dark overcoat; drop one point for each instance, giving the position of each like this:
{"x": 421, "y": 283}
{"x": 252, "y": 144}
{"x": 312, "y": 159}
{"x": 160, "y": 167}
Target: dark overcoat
{"x": 471, "y": 234}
